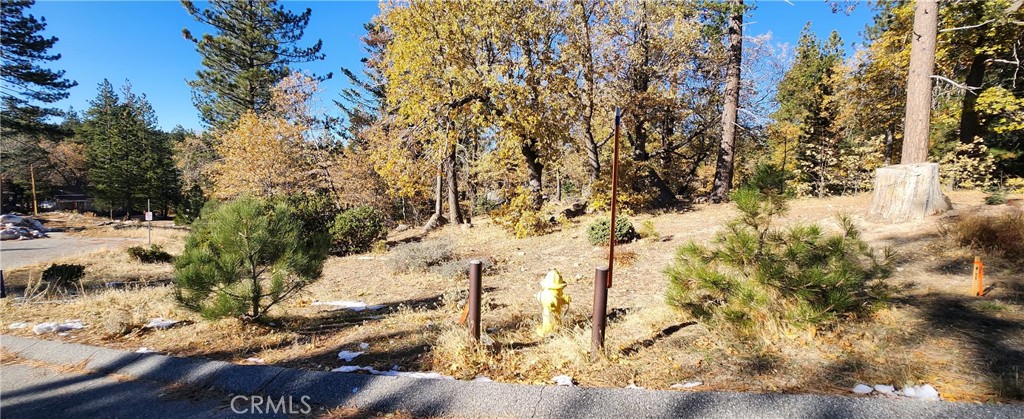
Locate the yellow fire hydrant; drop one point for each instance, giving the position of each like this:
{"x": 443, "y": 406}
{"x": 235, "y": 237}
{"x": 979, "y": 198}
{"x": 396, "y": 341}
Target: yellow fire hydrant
{"x": 553, "y": 303}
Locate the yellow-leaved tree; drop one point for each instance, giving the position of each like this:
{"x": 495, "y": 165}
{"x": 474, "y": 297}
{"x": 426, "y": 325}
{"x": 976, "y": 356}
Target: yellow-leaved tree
{"x": 272, "y": 154}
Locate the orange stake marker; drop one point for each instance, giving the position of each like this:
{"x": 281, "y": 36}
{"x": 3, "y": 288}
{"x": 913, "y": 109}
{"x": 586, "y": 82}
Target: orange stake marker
{"x": 979, "y": 277}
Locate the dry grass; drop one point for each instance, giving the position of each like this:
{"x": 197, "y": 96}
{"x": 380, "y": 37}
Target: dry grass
{"x": 998, "y": 233}
{"x": 932, "y": 333}
{"x": 111, "y": 264}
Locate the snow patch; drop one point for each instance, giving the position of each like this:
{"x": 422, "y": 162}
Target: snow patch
{"x": 482, "y": 379}
{"x": 921, "y": 392}
{"x": 862, "y": 389}
{"x": 50, "y": 327}
{"x": 356, "y": 306}
{"x": 145, "y": 350}
{"x": 253, "y": 360}
{"x": 160, "y": 323}
{"x": 371, "y": 370}
{"x": 348, "y": 356}
{"x": 690, "y": 384}
{"x": 886, "y": 390}
{"x": 17, "y": 325}
{"x": 364, "y": 345}
{"x": 563, "y": 380}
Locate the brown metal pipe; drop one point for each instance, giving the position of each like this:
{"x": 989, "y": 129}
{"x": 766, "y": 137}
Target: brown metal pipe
{"x": 600, "y": 313}
{"x": 474, "y": 300}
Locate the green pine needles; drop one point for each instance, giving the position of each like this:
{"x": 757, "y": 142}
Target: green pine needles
{"x": 755, "y": 278}
{"x": 245, "y": 256}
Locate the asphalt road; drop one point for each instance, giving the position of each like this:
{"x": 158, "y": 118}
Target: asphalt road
{"x": 128, "y": 390}
{"x": 18, "y": 253}
{"x": 40, "y": 392}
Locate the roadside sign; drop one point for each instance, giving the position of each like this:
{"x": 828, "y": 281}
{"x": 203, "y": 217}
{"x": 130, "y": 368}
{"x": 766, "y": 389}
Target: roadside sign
{"x": 149, "y": 216}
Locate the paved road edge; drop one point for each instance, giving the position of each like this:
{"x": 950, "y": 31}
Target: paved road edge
{"x": 475, "y": 399}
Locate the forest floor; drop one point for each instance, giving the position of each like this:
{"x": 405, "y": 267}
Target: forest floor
{"x": 931, "y": 332}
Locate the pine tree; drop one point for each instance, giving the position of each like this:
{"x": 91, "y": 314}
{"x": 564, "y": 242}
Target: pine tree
{"x": 26, "y": 82}
{"x": 365, "y": 102}
{"x": 726, "y": 150}
{"x": 253, "y": 45}
{"x": 806, "y": 101}
{"x": 246, "y": 256}
{"x": 129, "y": 159}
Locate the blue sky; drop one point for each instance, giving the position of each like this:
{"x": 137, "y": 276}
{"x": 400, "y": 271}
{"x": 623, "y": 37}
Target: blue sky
{"x": 141, "y": 41}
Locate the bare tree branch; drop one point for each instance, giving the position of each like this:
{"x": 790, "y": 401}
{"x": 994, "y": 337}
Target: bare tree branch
{"x": 955, "y": 84}
{"x": 967, "y": 27}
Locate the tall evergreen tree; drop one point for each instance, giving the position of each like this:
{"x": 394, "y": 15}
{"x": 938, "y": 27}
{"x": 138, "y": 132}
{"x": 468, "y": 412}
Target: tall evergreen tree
{"x": 253, "y": 45}
{"x": 27, "y": 85}
{"x": 919, "y": 83}
{"x": 726, "y": 149}
{"x": 129, "y": 159}
{"x": 365, "y": 102}
{"x": 806, "y": 101}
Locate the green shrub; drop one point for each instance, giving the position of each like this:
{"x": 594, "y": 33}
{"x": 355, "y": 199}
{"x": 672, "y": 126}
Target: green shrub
{"x": 599, "y": 231}
{"x": 768, "y": 179}
{"x": 356, "y": 230}
{"x": 316, "y": 210}
{"x": 754, "y": 278}
{"x": 647, "y": 231}
{"x": 63, "y": 275}
{"x": 190, "y": 206}
{"x": 244, "y": 257}
{"x": 420, "y": 257}
{"x": 996, "y": 198}
{"x": 154, "y": 254}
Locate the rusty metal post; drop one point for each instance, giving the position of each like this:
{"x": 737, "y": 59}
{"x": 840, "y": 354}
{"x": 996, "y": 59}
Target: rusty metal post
{"x": 600, "y": 313}
{"x": 615, "y": 196}
{"x": 474, "y": 300}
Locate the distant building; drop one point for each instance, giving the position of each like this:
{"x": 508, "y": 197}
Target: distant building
{"x": 69, "y": 200}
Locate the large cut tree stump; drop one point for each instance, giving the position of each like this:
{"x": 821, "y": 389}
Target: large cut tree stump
{"x": 907, "y": 192}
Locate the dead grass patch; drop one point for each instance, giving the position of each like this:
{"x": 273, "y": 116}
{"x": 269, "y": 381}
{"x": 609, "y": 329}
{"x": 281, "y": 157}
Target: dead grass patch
{"x": 932, "y": 332}
{"x": 101, "y": 267}
{"x": 999, "y": 234}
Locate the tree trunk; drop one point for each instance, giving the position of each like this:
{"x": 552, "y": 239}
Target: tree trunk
{"x": 907, "y": 192}
{"x": 910, "y": 191}
{"x": 969, "y": 123}
{"x": 436, "y": 219}
{"x": 723, "y": 169}
{"x": 454, "y": 210}
{"x": 593, "y": 154}
{"x": 888, "y": 145}
{"x": 558, "y": 186}
{"x": 919, "y": 82}
{"x": 535, "y": 170}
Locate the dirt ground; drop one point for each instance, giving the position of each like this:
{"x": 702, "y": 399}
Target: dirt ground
{"x": 969, "y": 348}
{"x": 20, "y": 253}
